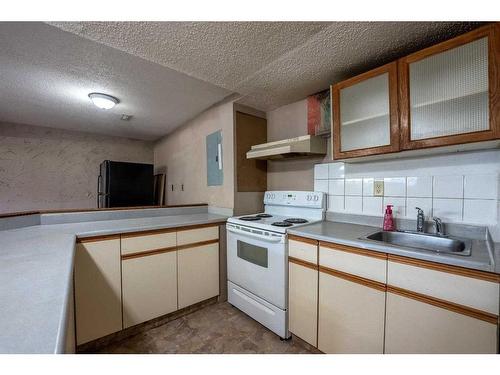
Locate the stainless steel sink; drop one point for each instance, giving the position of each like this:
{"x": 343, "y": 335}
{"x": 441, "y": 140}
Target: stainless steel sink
{"x": 421, "y": 241}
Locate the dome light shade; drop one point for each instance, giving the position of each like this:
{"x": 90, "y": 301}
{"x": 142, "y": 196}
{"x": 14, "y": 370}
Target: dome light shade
{"x": 103, "y": 101}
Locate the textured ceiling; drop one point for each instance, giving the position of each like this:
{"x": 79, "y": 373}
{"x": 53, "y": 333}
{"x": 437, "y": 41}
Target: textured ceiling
{"x": 165, "y": 73}
{"x": 46, "y": 75}
{"x": 271, "y": 63}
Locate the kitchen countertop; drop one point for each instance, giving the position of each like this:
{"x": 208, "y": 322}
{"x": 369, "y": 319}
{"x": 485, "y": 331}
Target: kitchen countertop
{"x": 36, "y": 271}
{"x": 350, "y": 234}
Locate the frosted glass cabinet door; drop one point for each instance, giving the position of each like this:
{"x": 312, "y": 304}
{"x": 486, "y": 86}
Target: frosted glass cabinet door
{"x": 365, "y": 114}
{"x": 446, "y": 92}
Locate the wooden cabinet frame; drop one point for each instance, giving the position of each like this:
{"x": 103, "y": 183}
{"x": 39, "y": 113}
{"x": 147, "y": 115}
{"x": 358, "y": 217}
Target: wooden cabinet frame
{"x": 392, "y": 71}
{"x": 493, "y": 33}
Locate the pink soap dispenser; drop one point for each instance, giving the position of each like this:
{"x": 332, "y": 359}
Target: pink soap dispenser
{"x": 388, "y": 219}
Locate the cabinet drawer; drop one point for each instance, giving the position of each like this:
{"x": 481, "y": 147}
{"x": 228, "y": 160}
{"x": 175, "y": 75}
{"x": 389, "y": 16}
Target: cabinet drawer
{"x": 140, "y": 243}
{"x": 358, "y": 262}
{"x": 303, "y": 249}
{"x": 185, "y": 237}
{"x": 463, "y": 290}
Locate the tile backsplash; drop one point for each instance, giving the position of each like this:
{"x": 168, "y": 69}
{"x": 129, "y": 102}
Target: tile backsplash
{"x": 465, "y": 196}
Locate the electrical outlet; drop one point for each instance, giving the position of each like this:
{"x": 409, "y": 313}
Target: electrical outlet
{"x": 378, "y": 188}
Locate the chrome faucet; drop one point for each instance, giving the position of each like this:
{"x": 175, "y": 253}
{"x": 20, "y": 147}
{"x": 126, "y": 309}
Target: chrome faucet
{"x": 439, "y": 226}
{"x": 420, "y": 219}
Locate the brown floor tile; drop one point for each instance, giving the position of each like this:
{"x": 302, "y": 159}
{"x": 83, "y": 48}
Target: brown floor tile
{"x": 219, "y": 328}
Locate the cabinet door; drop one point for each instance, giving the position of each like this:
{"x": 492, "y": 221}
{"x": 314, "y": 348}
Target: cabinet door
{"x": 149, "y": 287}
{"x": 450, "y": 92}
{"x": 350, "y": 315}
{"x": 303, "y": 301}
{"x": 365, "y": 110}
{"x": 414, "y": 326}
{"x": 98, "y": 303}
{"x": 198, "y": 269}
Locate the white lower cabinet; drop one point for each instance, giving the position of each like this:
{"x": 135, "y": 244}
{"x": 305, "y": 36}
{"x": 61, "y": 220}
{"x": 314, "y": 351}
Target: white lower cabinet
{"x": 303, "y": 302}
{"x": 198, "y": 273}
{"x": 98, "y": 303}
{"x": 417, "y": 327}
{"x": 149, "y": 287}
{"x": 350, "y": 316}
{"x": 370, "y": 302}
{"x": 124, "y": 280}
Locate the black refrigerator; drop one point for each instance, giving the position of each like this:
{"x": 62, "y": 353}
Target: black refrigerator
{"x": 122, "y": 184}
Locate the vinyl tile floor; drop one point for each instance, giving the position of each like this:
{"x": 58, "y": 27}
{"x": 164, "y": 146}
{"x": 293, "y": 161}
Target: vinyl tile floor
{"x": 219, "y": 329}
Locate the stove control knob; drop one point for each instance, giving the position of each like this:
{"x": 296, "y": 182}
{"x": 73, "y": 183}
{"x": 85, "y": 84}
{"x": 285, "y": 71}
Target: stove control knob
{"x": 309, "y": 197}
{"x": 316, "y": 198}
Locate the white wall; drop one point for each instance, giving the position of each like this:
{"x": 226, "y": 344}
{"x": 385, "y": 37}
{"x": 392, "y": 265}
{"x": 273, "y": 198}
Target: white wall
{"x": 460, "y": 187}
{"x": 46, "y": 168}
{"x": 182, "y": 154}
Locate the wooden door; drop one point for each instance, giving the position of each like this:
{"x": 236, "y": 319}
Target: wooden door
{"x": 365, "y": 114}
{"x": 98, "y": 303}
{"x": 251, "y": 174}
{"x": 450, "y": 93}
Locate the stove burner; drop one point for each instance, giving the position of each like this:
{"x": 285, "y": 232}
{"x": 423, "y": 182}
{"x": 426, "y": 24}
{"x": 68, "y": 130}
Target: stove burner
{"x": 249, "y": 218}
{"x": 281, "y": 224}
{"x": 264, "y": 215}
{"x": 296, "y": 220}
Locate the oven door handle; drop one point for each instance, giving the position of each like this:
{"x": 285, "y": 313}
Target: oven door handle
{"x": 256, "y": 236}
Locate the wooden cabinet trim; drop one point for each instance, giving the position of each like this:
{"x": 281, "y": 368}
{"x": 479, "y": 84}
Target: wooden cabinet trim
{"x": 303, "y": 239}
{"x": 162, "y": 250}
{"x": 196, "y": 226}
{"x": 197, "y": 244}
{"x": 490, "y": 31}
{"x": 24, "y": 213}
{"x": 392, "y": 70}
{"x": 148, "y": 232}
{"x": 457, "y": 41}
{"x": 146, "y": 253}
{"x": 303, "y": 263}
{"x": 353, "y": 278}
{"x": 476, "y": 274}
{"x": 169, "y": 230}
{"x": 98, "y": 238}
{"x": 460, "y": 309}
{"x": 354, "y": 250}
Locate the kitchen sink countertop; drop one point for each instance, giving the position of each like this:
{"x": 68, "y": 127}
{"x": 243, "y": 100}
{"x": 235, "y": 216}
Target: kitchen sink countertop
{"x": 36, "y": 271}
{"x": 351, "y": 234}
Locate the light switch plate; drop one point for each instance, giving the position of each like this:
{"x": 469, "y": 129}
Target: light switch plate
{"x": 378, "y": 188}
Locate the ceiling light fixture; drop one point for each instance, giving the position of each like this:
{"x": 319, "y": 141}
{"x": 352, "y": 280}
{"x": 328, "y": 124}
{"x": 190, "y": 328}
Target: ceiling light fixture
{"x": 103, "y": 101}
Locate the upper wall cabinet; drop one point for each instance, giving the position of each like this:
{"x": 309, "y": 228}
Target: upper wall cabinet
{"x": 365, "y": 118}
{"x": 449, "y": 93}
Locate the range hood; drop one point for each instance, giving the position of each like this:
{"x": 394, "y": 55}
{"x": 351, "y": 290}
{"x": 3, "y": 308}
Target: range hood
{"x": 306, "y": 145}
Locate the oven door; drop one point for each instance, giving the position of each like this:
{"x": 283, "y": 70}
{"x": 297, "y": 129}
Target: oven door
{"x": 256, "y": 261}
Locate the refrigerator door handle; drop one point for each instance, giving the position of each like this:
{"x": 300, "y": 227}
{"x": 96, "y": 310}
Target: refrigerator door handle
{"x": 99, "y": 178}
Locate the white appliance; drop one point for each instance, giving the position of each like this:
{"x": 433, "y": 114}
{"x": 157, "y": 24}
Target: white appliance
{"x": 306, "y": 145}
{"x": 257, "y": 255}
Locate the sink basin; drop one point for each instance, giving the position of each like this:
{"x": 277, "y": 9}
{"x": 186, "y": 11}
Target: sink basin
{"x": 421, "y": 241}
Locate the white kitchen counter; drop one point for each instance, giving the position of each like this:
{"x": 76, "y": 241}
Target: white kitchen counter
{"x": 36, "y": 271}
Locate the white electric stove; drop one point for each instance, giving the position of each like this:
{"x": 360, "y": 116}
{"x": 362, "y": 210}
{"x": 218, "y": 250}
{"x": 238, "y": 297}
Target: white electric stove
{"x": 257, "y": 252}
